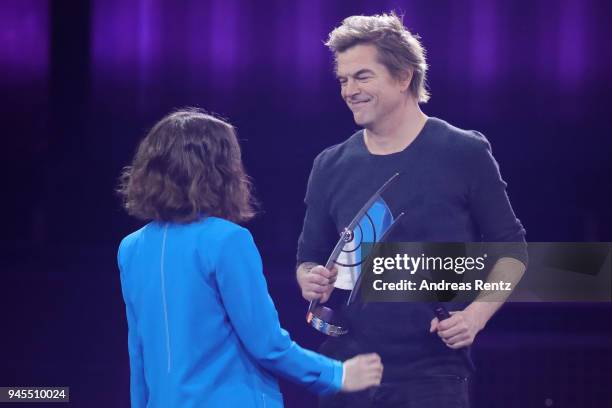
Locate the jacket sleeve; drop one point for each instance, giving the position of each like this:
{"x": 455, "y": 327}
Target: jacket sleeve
{"x": 139, "y": 393}
{"x": 252, "y": 314}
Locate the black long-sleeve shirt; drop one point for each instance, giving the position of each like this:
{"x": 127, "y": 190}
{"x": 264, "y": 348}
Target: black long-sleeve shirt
{"x": 450, "y": 190}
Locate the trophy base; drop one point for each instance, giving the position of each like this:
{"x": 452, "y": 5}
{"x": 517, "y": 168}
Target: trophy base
{"x": 326, "y": 321}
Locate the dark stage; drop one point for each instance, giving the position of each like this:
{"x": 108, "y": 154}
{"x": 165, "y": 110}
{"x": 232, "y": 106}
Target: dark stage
{"x": 82, "y": 82}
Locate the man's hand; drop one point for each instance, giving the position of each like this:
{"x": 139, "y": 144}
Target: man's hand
{"x": 316, "y": 282}
{"x": 459, "y": 330}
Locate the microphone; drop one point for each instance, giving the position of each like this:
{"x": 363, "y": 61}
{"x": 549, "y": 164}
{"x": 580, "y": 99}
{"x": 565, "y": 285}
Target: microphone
{"x": 442, "y": 314}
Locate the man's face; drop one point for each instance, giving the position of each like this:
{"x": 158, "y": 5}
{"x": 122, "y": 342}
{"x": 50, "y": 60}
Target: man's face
{"x": 367, "y": 86}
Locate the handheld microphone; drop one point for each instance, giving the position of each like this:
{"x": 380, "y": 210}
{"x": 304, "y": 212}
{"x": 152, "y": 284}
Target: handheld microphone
{"x": 443, "y": 314}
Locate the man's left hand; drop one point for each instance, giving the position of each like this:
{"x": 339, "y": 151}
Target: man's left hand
{"x": 459, "y": 330}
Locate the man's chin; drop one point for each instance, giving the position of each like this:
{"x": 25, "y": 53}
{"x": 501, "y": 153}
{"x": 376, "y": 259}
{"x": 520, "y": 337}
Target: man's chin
{"x": 360, "y": 120}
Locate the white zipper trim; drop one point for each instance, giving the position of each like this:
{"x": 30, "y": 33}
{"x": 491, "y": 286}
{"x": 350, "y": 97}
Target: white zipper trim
{"x": 163, "y": 293}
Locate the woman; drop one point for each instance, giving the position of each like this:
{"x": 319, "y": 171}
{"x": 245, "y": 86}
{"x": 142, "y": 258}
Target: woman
{"x": 202, "y": 328}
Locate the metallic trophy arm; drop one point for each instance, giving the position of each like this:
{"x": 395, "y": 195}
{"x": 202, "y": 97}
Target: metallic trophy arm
{"x": 323, "y": 318}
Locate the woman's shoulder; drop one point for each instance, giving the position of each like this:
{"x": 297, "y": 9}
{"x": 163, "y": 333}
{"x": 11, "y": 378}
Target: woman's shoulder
{"x": 220, "y": 227}
{"x": 219, "y": 238}
{"x": 216, "y": 232}
{"x": 131, "y": 239}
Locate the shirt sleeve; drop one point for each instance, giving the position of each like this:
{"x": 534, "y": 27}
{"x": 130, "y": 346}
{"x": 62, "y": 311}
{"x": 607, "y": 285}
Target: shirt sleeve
{"x": 252, "y": 314}
{"x": 139, "y": 393}
{"x": 319, "y": 233}
{"x": 491, "y": 207}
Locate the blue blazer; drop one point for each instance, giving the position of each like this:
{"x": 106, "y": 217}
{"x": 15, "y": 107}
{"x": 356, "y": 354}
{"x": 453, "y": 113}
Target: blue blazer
{"x": 202, "y": 328}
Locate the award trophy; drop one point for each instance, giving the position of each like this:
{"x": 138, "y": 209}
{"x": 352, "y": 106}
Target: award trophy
{"x": 372, "y": 224}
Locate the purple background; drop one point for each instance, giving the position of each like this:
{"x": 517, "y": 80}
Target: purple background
{"x": 83, "y": 81}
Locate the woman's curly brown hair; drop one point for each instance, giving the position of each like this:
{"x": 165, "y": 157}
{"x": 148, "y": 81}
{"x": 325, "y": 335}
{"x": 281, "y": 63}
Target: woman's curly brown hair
{"x": 188, "y": 166}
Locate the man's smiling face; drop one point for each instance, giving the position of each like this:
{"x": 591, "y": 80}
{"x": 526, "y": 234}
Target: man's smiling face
{"x": 367, "y": 86}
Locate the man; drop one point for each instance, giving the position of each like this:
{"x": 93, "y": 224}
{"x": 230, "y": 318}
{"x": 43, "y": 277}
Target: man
{"x": 452, "y": 191}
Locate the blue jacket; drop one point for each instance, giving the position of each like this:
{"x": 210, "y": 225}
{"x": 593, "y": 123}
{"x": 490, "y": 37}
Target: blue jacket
{"x": 202, "y": 328}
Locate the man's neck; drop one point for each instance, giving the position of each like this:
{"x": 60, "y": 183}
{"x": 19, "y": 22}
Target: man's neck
{"x": 397, "y": 132}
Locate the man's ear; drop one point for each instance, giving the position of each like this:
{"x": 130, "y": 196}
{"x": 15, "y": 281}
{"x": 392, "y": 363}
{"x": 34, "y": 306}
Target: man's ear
{"x": 405, "y": 79}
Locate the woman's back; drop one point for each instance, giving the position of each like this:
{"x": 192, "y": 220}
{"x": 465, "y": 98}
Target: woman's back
{"x": 193, "y": 291}
{"x": 202, "y": 328}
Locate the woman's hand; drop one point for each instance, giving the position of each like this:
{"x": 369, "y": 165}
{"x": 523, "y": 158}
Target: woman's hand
{"x": 361, "y": 372}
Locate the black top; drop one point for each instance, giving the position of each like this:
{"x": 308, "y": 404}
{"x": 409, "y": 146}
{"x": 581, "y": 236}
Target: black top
{"x": 450, "y": 189}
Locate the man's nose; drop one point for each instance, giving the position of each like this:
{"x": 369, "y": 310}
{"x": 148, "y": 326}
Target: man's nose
{"x": 351, "y": 88}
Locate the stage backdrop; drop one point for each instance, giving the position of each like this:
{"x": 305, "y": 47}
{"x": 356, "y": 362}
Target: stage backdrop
{"x": 83, "y": 81}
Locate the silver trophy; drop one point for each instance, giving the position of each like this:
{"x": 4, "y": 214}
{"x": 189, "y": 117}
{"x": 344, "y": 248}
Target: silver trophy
{"x": 372, "y": 224}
